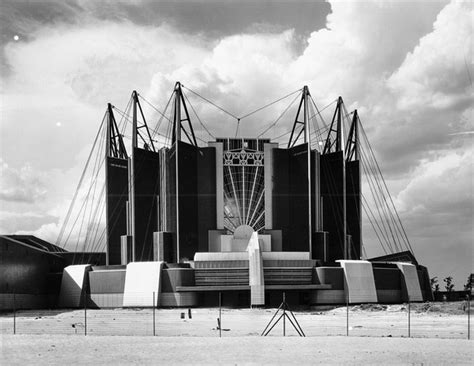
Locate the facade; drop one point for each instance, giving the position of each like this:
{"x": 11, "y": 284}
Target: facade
{"x": 188, "y": 199}
{"x": 245, "y": 216}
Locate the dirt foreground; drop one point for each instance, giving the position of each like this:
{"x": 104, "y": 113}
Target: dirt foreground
{"x": 378, "y": 334}
{"x": 136, "y": 350}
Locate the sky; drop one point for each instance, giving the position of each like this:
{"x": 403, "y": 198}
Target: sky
{"x": 406, "y": 66}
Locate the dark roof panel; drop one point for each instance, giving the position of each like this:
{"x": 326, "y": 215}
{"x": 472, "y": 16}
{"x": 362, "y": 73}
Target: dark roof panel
{"x": 37, "y": 243}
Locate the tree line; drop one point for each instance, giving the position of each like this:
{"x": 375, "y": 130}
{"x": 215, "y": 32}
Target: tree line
{"x": 448, "y": 284}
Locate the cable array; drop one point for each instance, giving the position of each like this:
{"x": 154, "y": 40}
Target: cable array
{"x": 384, "y": 219}
{"x": 83, "y": 231}
{"x": 84, "y": 227}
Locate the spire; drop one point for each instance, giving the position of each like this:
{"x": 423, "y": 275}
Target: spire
{"x": 352, "y": 147}
{"x": 115, "y": 145}
{"x": 140, "y": 131}
{"x": 300, "y": 126}
{"x": 335, "y": 138}
{"x": 181, "y": 115}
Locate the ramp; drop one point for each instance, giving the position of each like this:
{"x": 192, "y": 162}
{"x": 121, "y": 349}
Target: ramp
{"x": 411, "y": 288}
{"x": 142, "y": 279}
{"x": 360, "y": 281}
{"x": 73, "y": 284}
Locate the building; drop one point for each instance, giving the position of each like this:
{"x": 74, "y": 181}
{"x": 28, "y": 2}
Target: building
{"x": 241, "y": 216}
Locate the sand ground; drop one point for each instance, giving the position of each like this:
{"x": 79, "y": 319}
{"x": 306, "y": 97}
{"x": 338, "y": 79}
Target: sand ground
{"x": 426, "y": 321}
{"x": 136, "y": 350}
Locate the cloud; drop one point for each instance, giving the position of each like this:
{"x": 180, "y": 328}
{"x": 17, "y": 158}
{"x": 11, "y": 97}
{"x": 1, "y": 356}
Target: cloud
{"x": 437, "y": 208}
{"x": 437, "y": 72}
{"x": 83, "y": 69}
{"x": 89, "y": 62}
{"x": 211, "y": 19}
{"x": 362, "y": 42}
{"x": 21, "y": 185}
{"x": 426, "y": 98}
{"x": 240, "y": 73}
{"x": 453, "y": 172}
{"x": 48, "y": 231}
{"x": 23, "y": 221}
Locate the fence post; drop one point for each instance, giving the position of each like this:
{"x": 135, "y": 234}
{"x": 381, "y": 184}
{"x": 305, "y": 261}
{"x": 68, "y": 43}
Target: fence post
{"x": 409, "y": 311}
{"x": 14, "y": 314}
{"x": 85, "y": 312}
{"x": 469, "y": 315}
{"x": 153, "y": 313}
{"x": 284, "y": 314}
{"x": 220, "y": 314}
{"x": 347, "y": 311}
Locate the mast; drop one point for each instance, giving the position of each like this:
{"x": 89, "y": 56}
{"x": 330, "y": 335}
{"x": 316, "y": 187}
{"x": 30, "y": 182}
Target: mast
{"x": 176, "y": 139}
{"x": 301, "y": 127}
{"x": 335, "y": 142}
{"x": 132, "y": 172}
{"x": 307, "y": 139}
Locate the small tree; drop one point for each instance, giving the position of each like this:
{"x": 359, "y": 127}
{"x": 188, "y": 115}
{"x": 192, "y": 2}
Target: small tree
{"x": 449, "y": 283}
{"x": 467, "y": 286}
{"x": 434, "y": 284}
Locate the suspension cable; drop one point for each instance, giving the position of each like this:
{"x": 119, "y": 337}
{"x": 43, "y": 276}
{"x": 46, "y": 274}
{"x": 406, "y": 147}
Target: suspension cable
{"x": 212, "y": 103}
{"x": 386, "y": 188}
{"x": 376, "y": 195}
{"x": 273, "y": 124}
{"x": 66, "y": 220}
{"x": 270, "y": 104}
{"x": 199, "y": 119}
{"x": 162, "y": 114}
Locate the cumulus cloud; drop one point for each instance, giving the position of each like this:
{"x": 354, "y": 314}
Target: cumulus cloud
{"x": 452, "y": 171}
{"x": 437, "y": 208}
{"x": 26, "y": 221}
{"x": 21, "y": 185}
{"x": 87, "y": 63}
{"x": 48, "y": 231}
{"x": 437, "y": 72}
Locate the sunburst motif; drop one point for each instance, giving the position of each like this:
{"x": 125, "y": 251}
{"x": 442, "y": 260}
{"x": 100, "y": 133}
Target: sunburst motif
{"x": 244, "y": 192}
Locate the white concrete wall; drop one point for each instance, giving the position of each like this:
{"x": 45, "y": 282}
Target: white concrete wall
{"x": 256, "y": 279}
{"x": 286, "y": 256}
{"x": 411, "y": 281}
{"x": 231, "y": 244}
{"x": 241, "y": 256}
{"x": 72, "y": 285}
{"x": 360, "y": 282}
{"x": 142, "y": 279}
{"x": 226, "y": 243}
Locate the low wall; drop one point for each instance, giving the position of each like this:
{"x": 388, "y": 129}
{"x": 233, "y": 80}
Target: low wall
{"x": 333, "y": 276}
{"x": 170, "y": 279}
{"x": 106, "y": 287}
{"x": 142, "y": 279}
